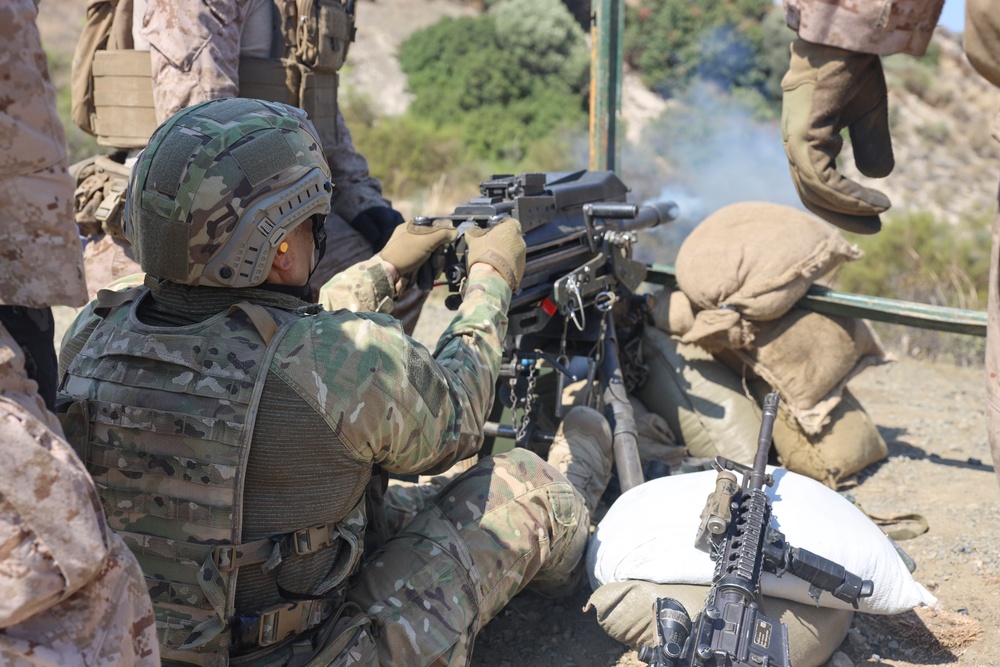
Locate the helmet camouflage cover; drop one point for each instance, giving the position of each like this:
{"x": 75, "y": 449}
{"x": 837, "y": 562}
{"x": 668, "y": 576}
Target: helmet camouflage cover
{"x": 219, "y": 186}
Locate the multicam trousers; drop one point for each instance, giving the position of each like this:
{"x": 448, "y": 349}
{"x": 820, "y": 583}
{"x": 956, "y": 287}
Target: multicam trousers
{"x": 509, "y": 520}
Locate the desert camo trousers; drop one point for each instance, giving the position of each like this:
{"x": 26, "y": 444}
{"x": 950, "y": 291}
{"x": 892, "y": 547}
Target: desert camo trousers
{"x": 509, "y": 520}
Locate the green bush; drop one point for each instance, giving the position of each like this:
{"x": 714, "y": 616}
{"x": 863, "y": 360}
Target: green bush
{"x": 406, "y": 153}
{"x": 674, "y": 42}
{"x": 916, "y": 75}
{"x": 509, "y": 78}
{"x": 409, "y": 153}
{"x": 917, "y": 257}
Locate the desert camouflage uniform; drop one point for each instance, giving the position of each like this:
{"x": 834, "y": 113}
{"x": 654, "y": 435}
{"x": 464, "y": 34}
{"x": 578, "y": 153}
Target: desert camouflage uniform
{"x": 71, "y": 593}
{"x": 35, "y": 189}
{"x": 906, "y": 26}
{"x": 40, "y": 260}
{"x": 195, "y": 49}
{"x": 344, "y": 391}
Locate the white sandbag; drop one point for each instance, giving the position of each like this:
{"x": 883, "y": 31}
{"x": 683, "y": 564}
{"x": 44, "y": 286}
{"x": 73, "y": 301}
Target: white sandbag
{"x": 649, "y": 534}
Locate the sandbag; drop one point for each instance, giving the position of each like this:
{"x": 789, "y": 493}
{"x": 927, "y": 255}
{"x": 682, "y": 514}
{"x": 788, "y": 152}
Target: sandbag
{"x": 808, "y": 358}
{"x": 752, "y": 261}
{"x": 649, "y": 534}
{"x": 847, "y": 444}
{"x": 625, "y": 611}
{"x": 702, "y": 401}
{"x": 672, "y": 311}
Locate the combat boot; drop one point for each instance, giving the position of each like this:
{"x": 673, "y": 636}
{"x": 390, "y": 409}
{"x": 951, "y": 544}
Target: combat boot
{"x": 582, "y": 452}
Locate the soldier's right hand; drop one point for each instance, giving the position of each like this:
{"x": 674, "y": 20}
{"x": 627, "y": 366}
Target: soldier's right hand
{"x": 411, "y": 245}
{"x": 501, "y": 246}
{"x": 825, "y": 90}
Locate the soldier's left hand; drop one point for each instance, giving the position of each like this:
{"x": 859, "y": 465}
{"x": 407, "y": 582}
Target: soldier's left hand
{"x": 411, "y": 245}
{"x": 377, "y": 224}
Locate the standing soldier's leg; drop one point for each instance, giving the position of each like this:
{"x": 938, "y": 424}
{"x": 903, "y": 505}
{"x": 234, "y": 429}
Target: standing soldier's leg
{"x": 993, "y": 347}
{"x": 981, "y": 41}
{"x": 34, "y": 330}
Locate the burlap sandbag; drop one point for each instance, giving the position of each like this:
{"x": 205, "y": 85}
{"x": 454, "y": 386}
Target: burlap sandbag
{"x": 847, "y": 444}
{"x": 625, "y": 612}
{"x": 703, "y": 402}
{"x": 751, "y": 262}
{"x": 672, "y": 312}
{"x": 808, "y": 358}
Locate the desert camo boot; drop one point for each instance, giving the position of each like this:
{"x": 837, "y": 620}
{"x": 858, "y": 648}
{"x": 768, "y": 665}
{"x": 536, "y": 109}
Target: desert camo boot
{"x": 582, "y": 452}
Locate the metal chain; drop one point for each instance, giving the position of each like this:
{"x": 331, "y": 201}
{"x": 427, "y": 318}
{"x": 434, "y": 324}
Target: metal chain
{"x": 525, "y": 404}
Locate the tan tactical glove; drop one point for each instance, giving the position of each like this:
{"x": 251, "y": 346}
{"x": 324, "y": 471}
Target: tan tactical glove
{"x": 411, "y": 245}
{"x": 501, "y": 246}
{"x": 825, "y": 90}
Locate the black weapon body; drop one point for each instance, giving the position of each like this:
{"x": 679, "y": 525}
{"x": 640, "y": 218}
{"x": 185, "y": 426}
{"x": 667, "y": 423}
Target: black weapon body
{"x": 579, "y": 289}
{"x": 733, "y": 630}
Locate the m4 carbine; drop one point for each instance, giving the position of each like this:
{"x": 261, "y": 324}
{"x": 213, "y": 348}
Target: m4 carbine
{"x": 578, "y": 290}
{"x": 732, "y": 630}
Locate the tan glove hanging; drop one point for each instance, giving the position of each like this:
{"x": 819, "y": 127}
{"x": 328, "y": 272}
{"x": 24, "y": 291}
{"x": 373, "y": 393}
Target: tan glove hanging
{"x": 825, "y": 90}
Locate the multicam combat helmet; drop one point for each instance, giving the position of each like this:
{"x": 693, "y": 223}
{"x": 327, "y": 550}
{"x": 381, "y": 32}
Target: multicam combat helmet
{"x": 219, "y": 186}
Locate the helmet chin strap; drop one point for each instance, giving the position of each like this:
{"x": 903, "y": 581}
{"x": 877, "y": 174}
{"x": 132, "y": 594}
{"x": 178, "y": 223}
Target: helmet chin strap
{"x": 304, "y": 292}
{"x": 319, "y": 240}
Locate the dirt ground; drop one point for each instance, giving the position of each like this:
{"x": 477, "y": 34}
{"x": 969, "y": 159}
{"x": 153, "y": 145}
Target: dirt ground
{"x": 932, "y": 417}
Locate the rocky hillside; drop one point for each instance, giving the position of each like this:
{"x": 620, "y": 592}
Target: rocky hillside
{"x": 941, "y": 114}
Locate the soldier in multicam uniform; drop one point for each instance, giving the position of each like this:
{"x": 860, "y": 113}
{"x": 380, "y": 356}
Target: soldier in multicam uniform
{"x": 835, "y": 80}
{"x": 70, "y": 591}
{"x": 200, "y": 51}
{"x": 233, "y": 427}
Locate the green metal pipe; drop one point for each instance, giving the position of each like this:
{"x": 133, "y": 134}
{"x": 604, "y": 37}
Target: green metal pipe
{"x": 879, "y": 309}
{"x": 608, "y": 26}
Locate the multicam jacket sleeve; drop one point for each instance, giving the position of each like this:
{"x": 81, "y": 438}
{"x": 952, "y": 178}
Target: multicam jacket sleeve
{"x": 866, "y": 26}
{"x": 387, "y": 397}
{"x": 362, "y": 288}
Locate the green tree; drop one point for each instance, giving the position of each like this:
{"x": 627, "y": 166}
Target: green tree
{"x": 510, "y": 78}
{"x": 674, "y": 42}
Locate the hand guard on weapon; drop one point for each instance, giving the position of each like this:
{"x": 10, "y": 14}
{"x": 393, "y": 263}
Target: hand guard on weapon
{"x": 411, "y": 245}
